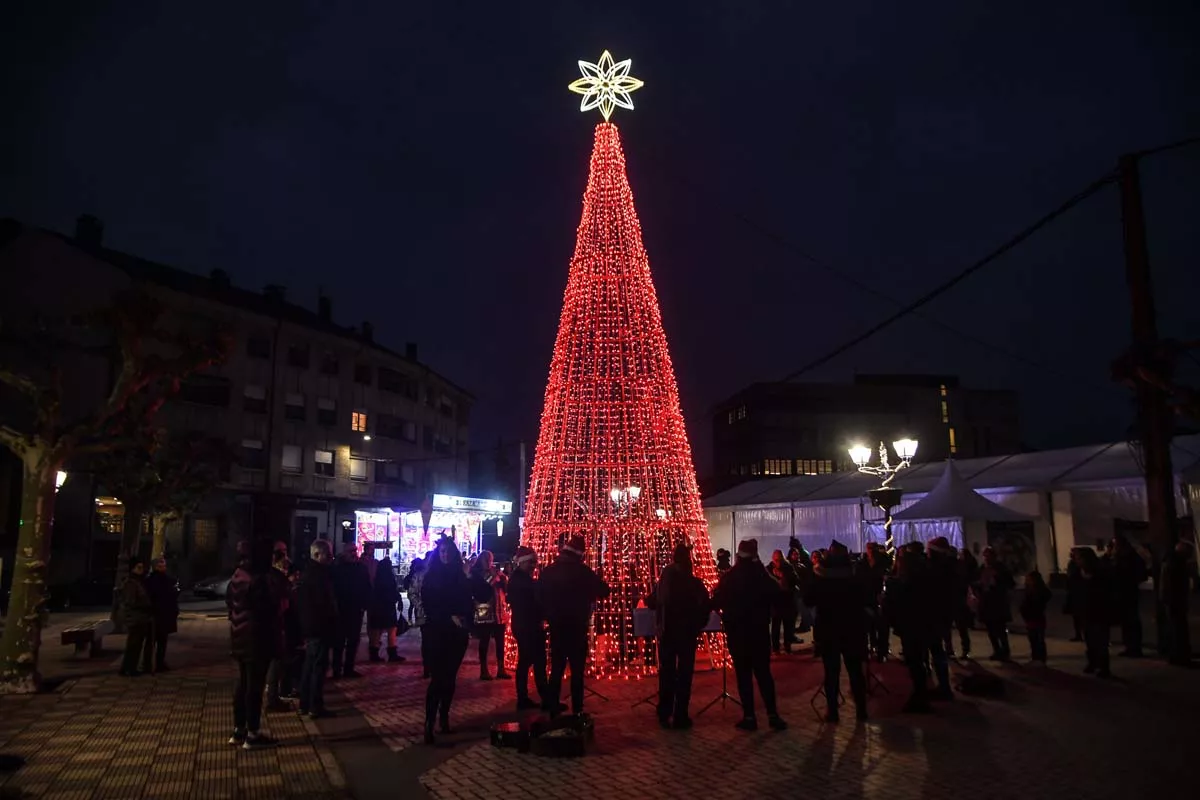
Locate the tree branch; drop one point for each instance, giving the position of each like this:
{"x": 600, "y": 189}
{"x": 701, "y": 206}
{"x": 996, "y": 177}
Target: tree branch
{"x": 14, "y": 440}
{"x": 21, "y": 383}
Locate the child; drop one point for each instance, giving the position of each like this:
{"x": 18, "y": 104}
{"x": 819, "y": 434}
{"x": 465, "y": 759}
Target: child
{"x": 1033, "y": 611}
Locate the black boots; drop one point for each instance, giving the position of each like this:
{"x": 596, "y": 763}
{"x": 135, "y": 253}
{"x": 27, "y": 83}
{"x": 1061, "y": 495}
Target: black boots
{"x": 393, "y": 657}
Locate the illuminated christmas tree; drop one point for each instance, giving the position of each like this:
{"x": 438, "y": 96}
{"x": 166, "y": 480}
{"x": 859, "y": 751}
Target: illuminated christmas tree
{"x": 613, "y": 461}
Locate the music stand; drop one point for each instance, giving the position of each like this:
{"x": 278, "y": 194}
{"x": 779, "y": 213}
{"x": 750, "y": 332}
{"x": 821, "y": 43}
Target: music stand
{"x": 717, "y": 625}
{"x": 645, "y": 627}
{"x": 812, "y": 701}
{"x": 873, "y": 680}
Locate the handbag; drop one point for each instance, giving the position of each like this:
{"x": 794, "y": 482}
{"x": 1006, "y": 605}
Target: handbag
{"x": 485, "y": 613}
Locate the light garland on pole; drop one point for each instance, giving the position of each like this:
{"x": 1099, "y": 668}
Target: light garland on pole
{"x": 885, "y": 497}
{"x": 612, "y": 432}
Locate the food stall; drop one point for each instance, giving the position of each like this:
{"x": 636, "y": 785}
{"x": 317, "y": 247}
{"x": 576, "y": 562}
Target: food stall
{"x": 406, "y": 534}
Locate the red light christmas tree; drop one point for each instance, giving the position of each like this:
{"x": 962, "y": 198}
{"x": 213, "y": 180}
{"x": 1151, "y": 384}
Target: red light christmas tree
{"x": 613, "y": 463}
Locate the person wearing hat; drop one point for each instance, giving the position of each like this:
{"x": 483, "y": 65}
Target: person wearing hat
{"x": 567, "y": 591}
{"x": 681, "y": 612}
{"x": 745, "y": 596}
{"x": 137, "y": 612}
{"x": 841, "y": 598}
{"x": 527, "y": 628}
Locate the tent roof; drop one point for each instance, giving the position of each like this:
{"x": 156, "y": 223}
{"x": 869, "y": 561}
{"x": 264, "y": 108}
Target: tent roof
{"x": 952, "y": 498}
{"x": 1045, "y": 470}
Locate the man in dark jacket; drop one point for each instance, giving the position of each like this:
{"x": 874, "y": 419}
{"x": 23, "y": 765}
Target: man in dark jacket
{"x": 681, "y": 611}
{"x": 1174, "y": 586}
{"x": 164, "y": 601}
{"x": 528, "y": 629}
{"x": 909, "y": 602}
{"x": 567, "y": 591}
{"x": 352, "y": 587}
{"x": 745, "y": 596}
{"x": 1128, "y": 573}
{"x": 256, "y": 637}
{"x": 877, "y": 568}
{"x": 137, "y": 612}
{"x": 319, "y": 625}
{"x": 840, "y": 598}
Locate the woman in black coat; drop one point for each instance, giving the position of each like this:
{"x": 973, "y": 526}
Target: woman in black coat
{"x": 446, "y": 595}
{"x": 381, "y": 612}
{"x": 164, "y": 602}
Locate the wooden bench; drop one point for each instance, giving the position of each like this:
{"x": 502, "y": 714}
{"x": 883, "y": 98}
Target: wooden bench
{"x": 88, "y": 635}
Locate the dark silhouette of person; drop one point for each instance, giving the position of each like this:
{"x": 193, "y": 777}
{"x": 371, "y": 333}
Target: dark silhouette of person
{"x": 137, "y": 612}
{"x": 164, "y": 601}
{"x": 995, "y": 606}
{"x": 1074, "y": 601}
{"x": 911, "y": 599}
{"x": 745, "y": 596}
{"x": 783, "y": 610}
{"x": 567, "y": 591}
{"x": 489, "y": 587}
{"x": 446, "y": 596}
{"x": 256, "y": 637}
{"x": 317, "y": 603}
{"x": 966, "y": 572}
{"x": 528, "y": 629}
{"x": 682, "y": 609}
{"x": 1177, "y": 570}
{"x": 878, "y": 568}
{"x": 841, "y": 600}
{"x": 1033, "y": 612}
{"x": 1096, "y": 596}
{"x": 1128, "y": 573}
{"x": 352, "y": 587}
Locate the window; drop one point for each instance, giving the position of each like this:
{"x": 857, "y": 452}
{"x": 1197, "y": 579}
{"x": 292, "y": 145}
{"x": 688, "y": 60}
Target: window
{"x": 741, "y": 412}
{"x": 777, "y": 466}
{"x": 389, "y": 426}
{"x": 953, "y": 443}
{"x": 292, "y": 458}
{"x": 323, "y": 463}
{"x": 362, "y": 374}
{"x": 442, "y": 444}
{"x": 446, "y": 407}
{"x": 942, "y": 390}
{"x": 253, "y": 454}
{"x": 326, "y": 412}
{"x": 258, "y": 347}
{"x": 410, "y": 432}
{"x": 755, "y": 469}
{"x": 358, "y": 421}
{"x": 358, "y": 469}
{"x": 814, "y": 466}
{"x": 205, "y": 390}
{"x": 392, "y": 381}
{"x": 204, "y": 534}
{"x": 945, "y": 412}
{"x": 254, "y": 399}
{"x": 427, "y": 437}
{"x": 329, "y": 363}
{"x": 298, "y": 356}
{"x": 294, "y": 407}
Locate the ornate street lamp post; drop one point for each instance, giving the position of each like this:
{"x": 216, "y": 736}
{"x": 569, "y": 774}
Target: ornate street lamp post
{"x": 886, "y": 496}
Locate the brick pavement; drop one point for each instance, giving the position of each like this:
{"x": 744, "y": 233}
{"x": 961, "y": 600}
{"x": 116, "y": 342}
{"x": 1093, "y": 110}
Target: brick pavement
{"x": 164, "y": 736}
{"x": 1058, "y": 732}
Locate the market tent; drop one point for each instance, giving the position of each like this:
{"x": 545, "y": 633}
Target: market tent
{"x": 951, "y": 509}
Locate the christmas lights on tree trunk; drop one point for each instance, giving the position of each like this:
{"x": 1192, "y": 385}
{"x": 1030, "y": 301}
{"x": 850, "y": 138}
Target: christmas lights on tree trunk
{"x": 613, "y": 463}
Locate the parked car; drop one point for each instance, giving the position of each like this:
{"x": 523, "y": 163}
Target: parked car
{"x": 213, "y": 588}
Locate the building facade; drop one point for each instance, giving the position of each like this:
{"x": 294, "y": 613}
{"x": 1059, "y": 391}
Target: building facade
{"x": 782, "y": 429}
{"x": 320, "y": 419}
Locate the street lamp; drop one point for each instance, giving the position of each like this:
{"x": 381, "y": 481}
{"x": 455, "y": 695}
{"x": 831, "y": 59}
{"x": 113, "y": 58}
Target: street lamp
{"x": 624, "y": 498}
{"x": 886, "y": 497}
{"x": 59, "y": 480}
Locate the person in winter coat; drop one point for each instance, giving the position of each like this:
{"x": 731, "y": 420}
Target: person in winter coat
{"x": 164, "y": 601}
{"x": 256, "y": 637}
{"x": 416, "y": 607}
{"x": 446, "y": 594}
{"x": 381, "y": 612}
{"x": 877, "y": 568}
{"x": 1128, "y": 573}
{"x": 567, "y": 591}
{"x": 746, "y": 596}
{"x": 995, "y": 607}
{"x": 942, "y": 564}
{"x": 1096, "y": 596}
{"x": 682, "y": 609}
{"x": 352, "y": 587}
{"x": 279, "y": 674}
{"x": 1033, "y": 612}
{"x": 841, "y": 601}
{"x": 910, "y": 597}
{"x": 783, "y": 610}
{"x": 966, "y": 572}
{"x": 137, "y": 612}
{"x": 723, "y": 564}
{"x": 1174, "y": 585}
{"x": 488, "y": 588}
{"x": 319, "y": 619}
{"x": 528, "y": 629}
{"x": 1074, "y": 601}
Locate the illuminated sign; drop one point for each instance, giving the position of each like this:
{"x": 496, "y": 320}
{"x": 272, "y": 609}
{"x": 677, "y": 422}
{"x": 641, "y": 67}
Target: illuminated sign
{"x": 448, "y": 502}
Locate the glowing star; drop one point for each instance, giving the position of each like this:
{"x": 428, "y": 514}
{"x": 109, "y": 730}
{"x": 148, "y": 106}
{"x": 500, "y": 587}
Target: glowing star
{"x": 605, "y": 85}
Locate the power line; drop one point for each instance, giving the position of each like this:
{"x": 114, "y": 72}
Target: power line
{"x": 946, "y": 286}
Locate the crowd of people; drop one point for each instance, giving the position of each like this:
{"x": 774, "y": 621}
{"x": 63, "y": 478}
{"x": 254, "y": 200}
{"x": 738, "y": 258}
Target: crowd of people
{"x": 290, "y": 629}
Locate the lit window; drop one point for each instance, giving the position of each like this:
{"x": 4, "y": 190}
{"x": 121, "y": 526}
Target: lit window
{"x": 942, "y": 389}
{"x": 358, "y": 422}
{"x": 323, "y": 463}
{"x": 358, "y": 469}
{"x": 741, "y": 412}
{"x": 731, "y": 417}
{"x": 945, "y": 412}
{"x": 953, "y": 443}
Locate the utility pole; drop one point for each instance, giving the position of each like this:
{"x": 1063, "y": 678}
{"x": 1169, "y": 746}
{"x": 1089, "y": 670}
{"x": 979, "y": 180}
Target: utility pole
{"x": 1154, "y": 414}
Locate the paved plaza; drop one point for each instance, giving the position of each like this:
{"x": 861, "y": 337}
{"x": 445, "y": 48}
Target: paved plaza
{"x": 1056, "y": 733}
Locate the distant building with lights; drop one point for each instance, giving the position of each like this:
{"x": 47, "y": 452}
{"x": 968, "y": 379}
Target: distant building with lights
{"x": 784, "y": 429}
{"x": 324, "y": 421}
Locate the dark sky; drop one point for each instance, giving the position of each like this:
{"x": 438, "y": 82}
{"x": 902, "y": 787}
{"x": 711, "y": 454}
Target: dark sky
{"x": 424, "y": 163}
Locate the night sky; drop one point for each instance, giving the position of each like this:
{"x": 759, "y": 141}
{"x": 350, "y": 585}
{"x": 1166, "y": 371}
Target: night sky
{"x": 424, "y": 164}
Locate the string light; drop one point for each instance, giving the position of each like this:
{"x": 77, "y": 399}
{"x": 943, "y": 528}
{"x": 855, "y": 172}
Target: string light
{"x": 612, "y": 419}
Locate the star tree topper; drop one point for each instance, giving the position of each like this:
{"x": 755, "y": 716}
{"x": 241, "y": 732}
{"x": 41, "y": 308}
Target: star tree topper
{"x": 605, "y": 85}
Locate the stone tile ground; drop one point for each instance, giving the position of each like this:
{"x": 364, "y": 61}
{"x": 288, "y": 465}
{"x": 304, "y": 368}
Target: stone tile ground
{"x": 103, "y": 736}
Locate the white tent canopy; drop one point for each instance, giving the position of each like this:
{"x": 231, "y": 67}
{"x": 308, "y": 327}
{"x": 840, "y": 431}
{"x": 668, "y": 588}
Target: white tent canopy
{"x": 952, "y": 498}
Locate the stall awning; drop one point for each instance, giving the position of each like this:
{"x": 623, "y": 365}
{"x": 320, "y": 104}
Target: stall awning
{"x": 952, "y": 498}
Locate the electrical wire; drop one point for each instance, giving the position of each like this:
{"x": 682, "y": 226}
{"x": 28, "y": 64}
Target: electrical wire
{"x": 958, "y": 278}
